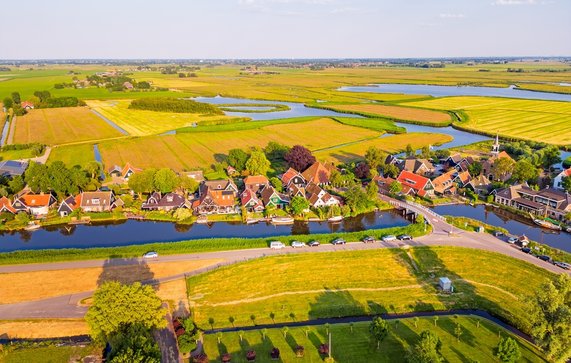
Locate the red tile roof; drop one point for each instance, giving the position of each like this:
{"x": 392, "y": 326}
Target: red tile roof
{"x": 289, "y": 175}
{"x": 36, "y": 200}
{"x": 416, "y": 182}
{"x": 6, "y": 204}
{"x": 318, "y": 173}
{"x": 255, "y": 179}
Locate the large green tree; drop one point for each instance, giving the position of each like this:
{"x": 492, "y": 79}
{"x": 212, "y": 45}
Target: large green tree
{"x": 165, "y": 180}
{"x": 507, "y": 350}
{"x": 142, "y": 182}
{"x": 426, "y": 350}
{"x": 357, "y": 199}
{"x": 524, "y": 170}
{"x": 379, "y": 329}
{"x": 237, "y": 158}
{"x": 502, "y": 167}
{"x": 298, "y": 205}
{"x": 374, "y": 157}
{"x": 566, "y": 183}
{"x": 37, "y": 177}
{"x": 8, "y": 103}
{"x": 115, "y": 305}
{"x": 550, "y": 317}
{"x": 133, "y": 343}
{"x": 258, "y": 164}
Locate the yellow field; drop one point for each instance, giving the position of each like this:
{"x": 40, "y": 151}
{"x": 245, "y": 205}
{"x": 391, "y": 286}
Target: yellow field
{"x": 142, "y": 123}
{"x": 53, "y": 126}
{"x": 397, "y": 112}
{"x": 35, "y": 329}
{"x": 190, "y": 150}
{"x": 25, "y": 286}
{"x": 390, "y": 144}
{"x": 545, "y": 121}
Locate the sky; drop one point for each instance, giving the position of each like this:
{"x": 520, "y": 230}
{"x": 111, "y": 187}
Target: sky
{"x": 206, "y": 29}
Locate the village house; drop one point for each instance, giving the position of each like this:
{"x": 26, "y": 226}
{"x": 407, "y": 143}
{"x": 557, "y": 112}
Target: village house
{"x": 481, "y": 185}
{"x": 250, "y": 201}
{"x": 420, "y": 185}
{"x": 12, "y": 168}
{"x": 271, "y": 198}
{"x": 167, "y": 202}
{"x": 197, "y": 175}
{"x": 256, "y": 183}
{"x": 6, "y": 206}
{"x": 99, "y": 201}
{"x": 318, "y": 173}
{"x": 122, "y": 174}
{"x": 392, "y": 160}
{"x": 216, "y": 197}
{"x": 558, "y": 180}
{"x": 458, "y": 162}
{"x": 318, "y": 197}
{"x": 127, "y": 85}
{"x": 444, "y": 184}
{"x": 230, "y": 170}
{"x": 291, "y": 178}
{"x": 27, "y": 105}
{"x": 38, "y": 205}
{"x": 69, "y": 205}
{"x": 418, "y": 166}
{"x": 545, "y": 202}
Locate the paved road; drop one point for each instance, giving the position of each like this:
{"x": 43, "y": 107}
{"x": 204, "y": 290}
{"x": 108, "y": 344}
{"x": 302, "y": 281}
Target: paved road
{"x": 166, "y": 338}
{"x": 66, "y": 306}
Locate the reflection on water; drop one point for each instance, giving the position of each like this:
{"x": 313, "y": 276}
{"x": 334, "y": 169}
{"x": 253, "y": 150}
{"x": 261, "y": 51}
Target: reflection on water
{"x": 515, "y": 224}
{"x": 139, "y": 232}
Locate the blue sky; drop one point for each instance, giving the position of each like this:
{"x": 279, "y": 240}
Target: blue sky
{"x": 284, "y": 28}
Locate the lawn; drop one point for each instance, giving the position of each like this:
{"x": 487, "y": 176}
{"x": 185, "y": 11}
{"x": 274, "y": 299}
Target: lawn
{"x": 26, "y": 286}
{"x": 16, "y": 154}
{"x": 43, "y": 328}
{"x": 49, "y": 354}
{"x": 141, "y": 123}
{"x": 55, "y": 126}
{"x": 354, "y": 344}
{"x": 201, "y": 149}
{"x": 398, "y": 113}
{"x": 545, "y": 121}
{"x": 81, "y": 154}
{"x": 391, "y": 144}
{"x": 362, "y": 283}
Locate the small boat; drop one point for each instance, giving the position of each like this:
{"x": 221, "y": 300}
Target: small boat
{"x": 32, "y": 226}
{"x": 546, "y": 224}
{"x": 568, "y": 229}
{"x": 202, "y": 220}
{"x": 252, "y": 221}
{"x": 335, "y": 219}
{"x": 282, "y": 220}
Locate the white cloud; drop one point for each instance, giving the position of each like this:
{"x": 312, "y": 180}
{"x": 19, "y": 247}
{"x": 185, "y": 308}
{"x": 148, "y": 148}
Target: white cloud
{"x": 515, "y": 2}
{"x": 451, "y": 16}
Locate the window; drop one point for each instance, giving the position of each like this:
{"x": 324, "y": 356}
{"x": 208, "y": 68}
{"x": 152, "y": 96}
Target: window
{"x": 95, "y": 201}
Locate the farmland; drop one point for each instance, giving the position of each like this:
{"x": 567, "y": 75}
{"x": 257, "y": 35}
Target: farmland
{"x": 545, "y": 121}
{"x": 71, "y": 155}
{"x": 55, "y": 126}
{"x": 353, "y": 344}
{"x": 368, "y": 282}
{"x": 398, "y": 113}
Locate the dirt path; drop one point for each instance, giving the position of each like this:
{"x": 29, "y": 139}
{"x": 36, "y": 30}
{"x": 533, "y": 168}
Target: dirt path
{"x": 10, "y": 138}
{"x": 492, "y": 287}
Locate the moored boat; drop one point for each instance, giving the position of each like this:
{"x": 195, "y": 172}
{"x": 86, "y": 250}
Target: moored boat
{"x": 252, "y": 221}
{"x": 32, "y": 226}
{"x": 335, "y": 219}
{"x": 282, "y": 220}
{"x": 546, "y": 224}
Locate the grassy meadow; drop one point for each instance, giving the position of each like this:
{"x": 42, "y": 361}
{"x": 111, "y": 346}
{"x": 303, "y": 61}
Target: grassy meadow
{"x": 80, "y": 154}
{"x": 334, "y": 284}
{"x": 398, "y": 113}
{"x": 142, "y": 123}
{"x": 354, "y": 344}
{"x": 48, "y": 354}
{"x": 546, "y": 121}
{"x": 53, "y": 126}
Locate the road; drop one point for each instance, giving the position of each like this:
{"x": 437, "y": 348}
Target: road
{"x": 67, "y": 306}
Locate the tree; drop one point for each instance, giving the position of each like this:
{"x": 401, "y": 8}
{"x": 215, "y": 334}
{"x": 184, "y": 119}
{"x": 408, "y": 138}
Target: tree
{"x": 133, "y": 342}
{"x": 93, "y": 168}
{"x": 566, "y": 184}
{"x": 379, "y": 329}
{"x": 264, "y": 333}
{"x": 374, "y": 157}
{"x": 142, "y": 182}
{"x": 115, "y": 304}
{"x": 458, "y": 332}
{"x": 426, "y": 350}
{"x": 409, "y": 150}
{"x": 550, "y": 317}
{"x": 165, "y": 180}
{"x": 277, "y": 183}
{"x": 372, "y": 191}
{"x": 275, "y": 151}
{"x": 298, "y": 205}
{"x": 285, "y": 330}
{"x": 189, "y": 185}
{"x": 425, "y": 151}
{"x": 502, "y": 167}
{"x": 231, "y": 320}
{"x": 211, "y": 322}
{"x": 475, "y": 168}
{"x": 415, "y": 320}
{"x": 357, "y": 199}
{"x": 391, "y": 170}
{"x": 258, "y": 164}
{"x": 525, "y": 171}
{"x": 37, "y": 177}
{"x": 362, "y": 171}
{"x": 299, "y": 158}
{"x": 507, "y": 350}
{"x": 273, "y": 317}
{"x": 16, "y": 184}
{"x": 395, "y": 187}
{"x": 8, "y": 103}
{"x": 16, "y": 98}
{"x": 237, "y": 158}
{"x": 253, "y": 318}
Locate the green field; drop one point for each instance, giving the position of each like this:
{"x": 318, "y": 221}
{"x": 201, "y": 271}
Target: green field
{"x": 545, "y": 121}
{"x": 72, "y": 155}
{"x": 47, "y": 354}
{"x": 476, "y": 343}
{"x": 363, "y": 282}
{"x": 141, "y": 123}
{"x": 54, "y": 126}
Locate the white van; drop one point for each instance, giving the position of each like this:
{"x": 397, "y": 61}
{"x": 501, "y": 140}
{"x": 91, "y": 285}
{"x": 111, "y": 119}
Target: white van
{"x": 151, "y": 254}
{"x": 276, "y": 245}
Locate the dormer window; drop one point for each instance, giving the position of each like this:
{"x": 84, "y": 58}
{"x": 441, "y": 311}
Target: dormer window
{"x": 95, "y": 201}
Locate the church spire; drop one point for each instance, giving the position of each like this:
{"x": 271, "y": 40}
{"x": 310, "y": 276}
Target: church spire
{"x": 496, "y": 146}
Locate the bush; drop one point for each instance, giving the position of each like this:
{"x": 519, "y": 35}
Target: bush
{"x": 167, "y": 104}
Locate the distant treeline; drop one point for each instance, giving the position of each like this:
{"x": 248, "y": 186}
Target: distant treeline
{"x": 168, "y": 104}
{"x": 47, "y": 101}
{"x": 37, "y": 149}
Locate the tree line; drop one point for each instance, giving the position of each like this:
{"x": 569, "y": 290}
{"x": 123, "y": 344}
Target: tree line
{"x": 169, "y": 104}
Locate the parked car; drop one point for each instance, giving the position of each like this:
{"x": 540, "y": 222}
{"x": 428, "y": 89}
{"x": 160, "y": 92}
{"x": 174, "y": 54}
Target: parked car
{"x": 498, "y": 233}
{"x": 338, "y": 241}
{"x": 313, "y": 243}
{"x": 526, "y": 250}
{"x": 563, "y": 265}
{"x": 512, "y": 240}
{"x": 276, "y": 245}
{"x": 389, "y": 238}
{"x": 151, "y": 254}
{"x": 405, "y": 237}
{"x": 296, "y": 244}
{"x": 544, "y": 258}
{"x": 368, "y": 239}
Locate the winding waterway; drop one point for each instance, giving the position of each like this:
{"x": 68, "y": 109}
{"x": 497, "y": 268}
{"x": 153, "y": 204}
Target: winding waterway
{"x": 133, "y": 232}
